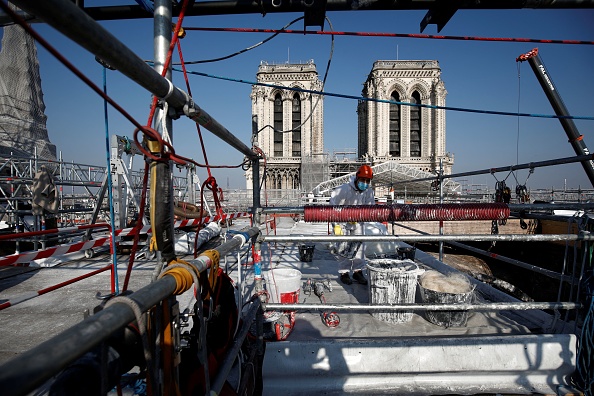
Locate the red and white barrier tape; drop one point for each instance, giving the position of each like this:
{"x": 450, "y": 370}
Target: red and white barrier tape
{"x": 54, "y": 251}
{"x": 78, "y": 246}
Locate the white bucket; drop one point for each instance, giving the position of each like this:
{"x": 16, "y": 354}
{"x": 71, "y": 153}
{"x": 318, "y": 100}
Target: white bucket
{"x": 284, "y": 285}
{"x": 392, "y": 282}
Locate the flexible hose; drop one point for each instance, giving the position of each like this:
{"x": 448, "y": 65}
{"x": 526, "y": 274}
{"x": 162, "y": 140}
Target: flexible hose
{"x": 187, "y": 210}
{"x": 406, "y": 212}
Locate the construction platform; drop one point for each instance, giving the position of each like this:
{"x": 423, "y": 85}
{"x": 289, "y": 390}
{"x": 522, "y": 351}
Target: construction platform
{"x": 512, "y": 352}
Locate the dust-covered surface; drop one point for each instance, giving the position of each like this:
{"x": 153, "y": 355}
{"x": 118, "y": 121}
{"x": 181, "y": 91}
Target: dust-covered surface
{"x": 37, "y": 319}
{"x": 450, "y": 283}
{"x": 324, "y": 268}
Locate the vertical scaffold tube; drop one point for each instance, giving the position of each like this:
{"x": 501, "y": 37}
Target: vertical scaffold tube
{"x": 406, "y": 212}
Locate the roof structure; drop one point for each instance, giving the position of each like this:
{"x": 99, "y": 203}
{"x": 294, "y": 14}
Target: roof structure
{"x": 393, "y": 174}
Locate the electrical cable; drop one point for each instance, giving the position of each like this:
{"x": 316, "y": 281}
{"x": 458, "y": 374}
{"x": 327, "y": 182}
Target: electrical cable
{"x": 243, "y": 50}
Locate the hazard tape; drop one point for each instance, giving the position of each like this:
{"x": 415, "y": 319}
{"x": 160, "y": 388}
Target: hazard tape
{"x": 186, "y": 223}
{"x": 55, "y": 251}
{"x": 78, "y": 246}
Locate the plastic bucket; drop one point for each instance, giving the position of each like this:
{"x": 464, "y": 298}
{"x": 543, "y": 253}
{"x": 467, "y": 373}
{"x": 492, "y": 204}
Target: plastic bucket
{"x": 392, "y": 282}
{"x": 306, "y": 253}
{"x": 447, "y": 318}
{"x": 284, "y": 285}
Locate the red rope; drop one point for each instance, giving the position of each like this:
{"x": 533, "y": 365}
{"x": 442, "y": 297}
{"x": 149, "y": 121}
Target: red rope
{"x": 181, "y": 59}
{"x": 211, "y": 184}
{"x": 137, "y": 227}
{"x": 405, "y": 35}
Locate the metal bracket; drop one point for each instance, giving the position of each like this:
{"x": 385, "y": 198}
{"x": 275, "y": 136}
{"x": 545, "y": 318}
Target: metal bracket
{"x": 314, "y": 14}
{"x": 439, "y": 15}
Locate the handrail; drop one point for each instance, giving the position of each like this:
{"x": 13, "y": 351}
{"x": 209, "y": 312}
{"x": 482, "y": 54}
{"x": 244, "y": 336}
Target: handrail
{"x": 430, "y": 238}
{"x": 424, "y": 307}
{"x": 498, "y": 257}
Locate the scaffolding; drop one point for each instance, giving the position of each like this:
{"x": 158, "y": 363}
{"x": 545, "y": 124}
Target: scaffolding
{"x": 315, "y": 169}
{"x": 82, "y": 197}
{"x": 37, "y": 365}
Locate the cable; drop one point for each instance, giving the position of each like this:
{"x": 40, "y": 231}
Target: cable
{"x": 461, "y": 109}
{"x": 401, "y": 35}
{"x": 243, "y": 50}
{"x": 112, "y": 240}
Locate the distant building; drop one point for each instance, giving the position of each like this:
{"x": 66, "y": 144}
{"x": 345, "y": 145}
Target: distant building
{"x": 289, "y": 122}
{"x": 411, "y": 135}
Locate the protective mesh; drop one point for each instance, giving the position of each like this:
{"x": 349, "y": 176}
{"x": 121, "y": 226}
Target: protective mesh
{"x": 22, "y": 117}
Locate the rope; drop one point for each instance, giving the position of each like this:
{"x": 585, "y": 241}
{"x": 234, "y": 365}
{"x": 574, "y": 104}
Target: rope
{"x": 181, "y": 57}
{"x": 112, "y": 241}
{"x": 210, "y": 181}
{"x": 243, "y": 50}
{"x": 137, "y": 227}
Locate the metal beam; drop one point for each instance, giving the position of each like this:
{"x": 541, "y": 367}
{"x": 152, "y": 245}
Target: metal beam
{"x": 206, "y": 8}
{"x": 430, "y": 238}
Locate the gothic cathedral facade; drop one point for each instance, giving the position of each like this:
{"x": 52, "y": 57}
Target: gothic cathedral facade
{"x": 288, "y": 121}
{"x": 398, "y": 120}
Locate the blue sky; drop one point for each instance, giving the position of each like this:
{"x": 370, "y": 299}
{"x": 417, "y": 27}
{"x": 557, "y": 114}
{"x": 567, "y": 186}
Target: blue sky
{"x": 477, "y": 75}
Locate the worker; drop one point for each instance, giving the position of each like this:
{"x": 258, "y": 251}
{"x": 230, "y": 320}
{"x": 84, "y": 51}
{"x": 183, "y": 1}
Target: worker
{"x": 357, "y": 191}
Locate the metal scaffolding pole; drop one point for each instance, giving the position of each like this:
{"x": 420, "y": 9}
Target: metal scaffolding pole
{"x": 517, "y": 263}
{"x": 239, "y": 7}
{"x": 495, "y": 306}
{"x": 430, "y": 238}
{"x": 531, "y": 165}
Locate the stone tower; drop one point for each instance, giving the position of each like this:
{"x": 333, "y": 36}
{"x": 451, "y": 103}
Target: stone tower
{"x": 411, "y": 135}
{"x": 288, "y": 123}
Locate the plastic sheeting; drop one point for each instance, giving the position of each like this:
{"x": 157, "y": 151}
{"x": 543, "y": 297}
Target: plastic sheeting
{"x": 185, "y": 243}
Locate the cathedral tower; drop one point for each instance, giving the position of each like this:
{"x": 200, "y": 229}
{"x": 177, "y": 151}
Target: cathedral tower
{"x": 288, "y": 121}
{"x": 412, "y": 135}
